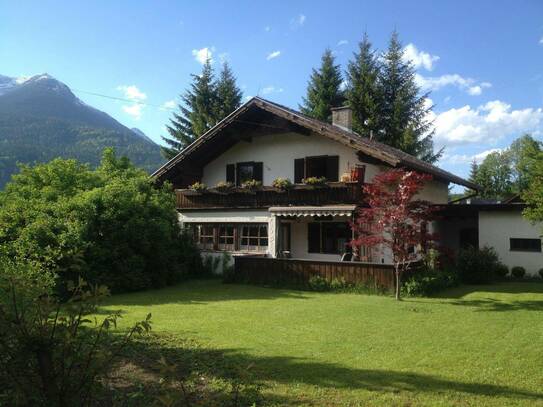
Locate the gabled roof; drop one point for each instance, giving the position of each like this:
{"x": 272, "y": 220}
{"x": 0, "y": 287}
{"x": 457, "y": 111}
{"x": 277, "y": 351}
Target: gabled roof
{"x": 379, "y": 151}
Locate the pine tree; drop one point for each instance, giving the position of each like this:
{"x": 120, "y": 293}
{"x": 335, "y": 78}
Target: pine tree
{"x": 228, "y": 94}
{"x": 474, "y": 167}
{"x": 196, "y": 115}
{"x": 323, "y": 89}
{"x": 362, "y": 89}
{"x": 403, "y": 110}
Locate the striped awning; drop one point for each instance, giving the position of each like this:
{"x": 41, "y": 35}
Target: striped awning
{"x": 333, "y": 210}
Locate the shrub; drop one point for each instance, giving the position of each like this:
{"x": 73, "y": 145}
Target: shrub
{"x": 318, "y": 283}
{"x": 427, "y": 283}
{"x": 251, "y": 184}
{"x": 477, "y": 266}
{"x": 222, "y": 186}
{"x": 53, "y": 354}
{"x": 111, "y": 226}
{"x": 540, "y": 272}
{"x": 501, "y": 270}
{"x": 198, "y": 187}
{"x": 282, "y": 183}
{"x": 518, "y": 272}
{"x": 315, "y": 181}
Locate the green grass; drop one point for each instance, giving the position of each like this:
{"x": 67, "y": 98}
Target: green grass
{"x": 477, "y": 345}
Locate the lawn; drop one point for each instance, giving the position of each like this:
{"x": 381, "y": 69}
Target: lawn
{"x": 476, "y": 345}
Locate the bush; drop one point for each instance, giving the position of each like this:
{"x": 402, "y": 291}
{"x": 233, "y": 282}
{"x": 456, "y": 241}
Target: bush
{"x": 477, "y": 266}
{"x": 251, "y": 184}
{"x": 315, "y": 181}
{"x": 428, "y": 283}
{"x": 501, "y": 270}
{"x": 51, "y": 357}
{"x": 540, "y": 272}
{"x": 518, "y": 272}
{"x": 282, "y": 183}
{"x": 318, "y": 283}
{"x": 110, "y": 226}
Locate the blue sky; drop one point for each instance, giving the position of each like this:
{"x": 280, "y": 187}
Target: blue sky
{"x": 482, "y": 61}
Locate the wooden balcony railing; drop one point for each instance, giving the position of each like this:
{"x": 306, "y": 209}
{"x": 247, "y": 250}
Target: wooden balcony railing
{"x": 332, "y": 194}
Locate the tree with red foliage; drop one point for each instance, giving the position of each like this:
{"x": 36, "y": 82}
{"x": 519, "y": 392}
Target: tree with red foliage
{"x": 390, "y": 218}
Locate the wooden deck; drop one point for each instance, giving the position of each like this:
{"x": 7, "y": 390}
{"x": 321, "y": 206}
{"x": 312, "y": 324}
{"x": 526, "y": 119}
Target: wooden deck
{"x": 297, "y": 272}
{"x": 265, "y": 197}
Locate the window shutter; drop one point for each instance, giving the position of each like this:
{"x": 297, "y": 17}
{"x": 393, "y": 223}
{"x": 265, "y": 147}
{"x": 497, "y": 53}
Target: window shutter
{"x": 313, "y": 237}
{"x": 299, "y": 169}
{"x": 258, "y": 172}
{"x": 231, "y": 173}
{"x": 332, "y": 168}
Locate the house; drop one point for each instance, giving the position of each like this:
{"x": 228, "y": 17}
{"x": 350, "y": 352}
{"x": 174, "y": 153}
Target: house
{"x": 496, "y": 224}
{"x": 264, "y": 141}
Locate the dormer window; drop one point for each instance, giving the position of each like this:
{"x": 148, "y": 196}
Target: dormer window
{"x": 317, "y": 166}
{"x": 238, "y": 173}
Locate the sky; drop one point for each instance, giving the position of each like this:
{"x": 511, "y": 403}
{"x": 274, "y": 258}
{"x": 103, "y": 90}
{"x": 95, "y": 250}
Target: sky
{"x": 482, "y": 61}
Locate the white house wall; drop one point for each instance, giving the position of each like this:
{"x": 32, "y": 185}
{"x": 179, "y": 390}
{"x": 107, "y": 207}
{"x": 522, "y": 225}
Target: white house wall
{"x": 277, "y": 152}
{"x": 495, "y": 230}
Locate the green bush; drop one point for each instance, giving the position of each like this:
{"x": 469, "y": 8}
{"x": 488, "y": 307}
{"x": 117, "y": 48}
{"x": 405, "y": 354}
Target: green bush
{"x": 427, "y": 283}
{"x": 501, "y": 270}
{"x": 518, "y": 272}
{"x": 54, "y": 354}
{"x": 318, "y": 283}
{"x": 477, "y": 266}
{"x": 110, "y": 226}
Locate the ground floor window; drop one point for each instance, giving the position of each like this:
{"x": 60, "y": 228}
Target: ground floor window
{"x": 525, "y": 245}
{"x": 328, "y": 237}
{"x": 231, "y": 237}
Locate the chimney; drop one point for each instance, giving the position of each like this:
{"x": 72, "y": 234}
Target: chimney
{"x": 342, "y": 117}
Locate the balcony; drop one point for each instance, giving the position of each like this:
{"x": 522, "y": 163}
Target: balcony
{"x": 265, "y": 197}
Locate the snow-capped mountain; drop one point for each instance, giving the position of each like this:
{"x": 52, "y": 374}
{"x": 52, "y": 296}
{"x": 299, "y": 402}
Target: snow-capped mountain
{"x": 41, "y": 119}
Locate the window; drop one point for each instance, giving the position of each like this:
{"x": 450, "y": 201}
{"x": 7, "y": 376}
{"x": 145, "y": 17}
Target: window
{"x": 205, "y": 236}
{"x": 525, "y": 245}
{"x": 239, "y": 173}
{"x": 232, "y": 237}
{"x": 328, "y": 237}
{"x": 254, "y": 238}
{"x": 319, "y": 166}
{"x": 226, "y": 237}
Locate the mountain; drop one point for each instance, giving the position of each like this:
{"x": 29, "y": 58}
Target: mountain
{"x": 41, "y": 119}
{"x": 141, "y": 134}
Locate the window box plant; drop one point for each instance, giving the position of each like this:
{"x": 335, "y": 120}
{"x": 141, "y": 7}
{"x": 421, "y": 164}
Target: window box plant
{"x": 224, "y": 187}
{"x": 251, "y": 185}
{"x": 315, "y": 181}
{"x": 282, "y": 184}
{"x": 198, "y": 187}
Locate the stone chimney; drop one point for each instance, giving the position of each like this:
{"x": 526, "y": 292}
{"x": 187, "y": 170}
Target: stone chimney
{"x": 343, "y": 117}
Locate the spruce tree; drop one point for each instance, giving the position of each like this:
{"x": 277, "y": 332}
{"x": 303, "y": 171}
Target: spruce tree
{"x": 403, "y": 110}
{"x": 473, "y": 170}
{"x": 196, "y": 114}
{"x": 362, "y": 89}
{"x": 323, "y": 89}
{"x": 228, "y": 94}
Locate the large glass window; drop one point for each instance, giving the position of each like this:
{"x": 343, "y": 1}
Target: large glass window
{"x": 328, "y": 237}
{"x": 232, "y": 237}
{"x": 226, "y": 237}
{"x": 205, "y": 236}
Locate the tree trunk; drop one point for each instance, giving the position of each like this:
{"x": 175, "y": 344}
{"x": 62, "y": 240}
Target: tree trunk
{"x": 397, "y": 272}
{"x": 47, "y": 375}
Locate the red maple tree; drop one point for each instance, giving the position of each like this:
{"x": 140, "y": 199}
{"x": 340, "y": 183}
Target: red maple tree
{"x": 391, "y": 218}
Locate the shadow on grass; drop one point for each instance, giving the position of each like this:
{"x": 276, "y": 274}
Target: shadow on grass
{"x": 528, "y": 287}
{"x": 290, "y": 371}
{"x": 201, "y": 292}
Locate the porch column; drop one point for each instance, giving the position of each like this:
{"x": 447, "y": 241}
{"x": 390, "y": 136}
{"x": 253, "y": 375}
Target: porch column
{"x": 274, "y": 236}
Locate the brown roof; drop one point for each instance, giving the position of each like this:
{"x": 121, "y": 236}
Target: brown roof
{"x": 372, "y": 148}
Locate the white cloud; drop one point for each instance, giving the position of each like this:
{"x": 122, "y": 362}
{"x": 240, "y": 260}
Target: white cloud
{"x": 467, "y": 158}
{"x": 486, "y": 124}
{"x": 271, "y": 89}
{"x": 298, "y": 21}
{"x": 134, "y": 110}
{"x": 342, "y": 42}
{"x": 203, "y": 54}
{"x": 469, "y": 85}
{"x": 541, "y": 41}
{"x": 273, "y": 55}
{"x": 132, "y": 92}
{"x": 419, "y": 58}
{"x": 168, "y": 105}
{"x": 267, "y": 28}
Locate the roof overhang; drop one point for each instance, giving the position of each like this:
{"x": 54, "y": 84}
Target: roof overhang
{"x": 312, "y": 211}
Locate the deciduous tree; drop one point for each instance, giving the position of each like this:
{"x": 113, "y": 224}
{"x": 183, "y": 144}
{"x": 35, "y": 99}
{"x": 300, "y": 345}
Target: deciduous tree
{"x": 392, "y": 219}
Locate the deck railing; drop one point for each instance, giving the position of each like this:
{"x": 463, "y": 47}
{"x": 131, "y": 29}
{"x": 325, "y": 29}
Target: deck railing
{"x": 264, "y": 197}
{"x": 297, "y": 272}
